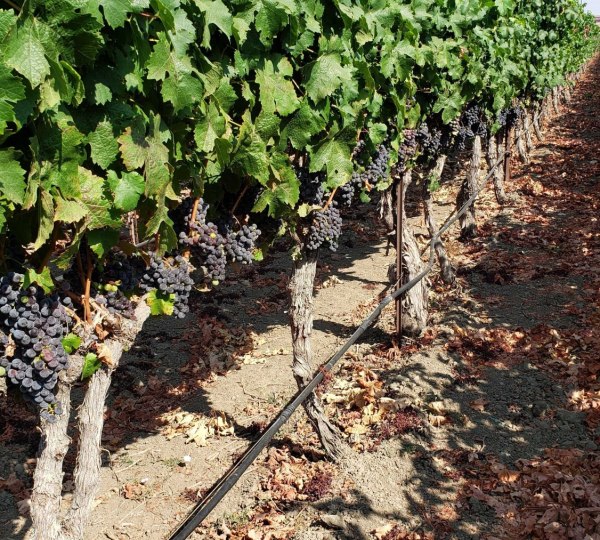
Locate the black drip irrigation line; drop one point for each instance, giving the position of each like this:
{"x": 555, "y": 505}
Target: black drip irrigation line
{"x": 222, "y": 487}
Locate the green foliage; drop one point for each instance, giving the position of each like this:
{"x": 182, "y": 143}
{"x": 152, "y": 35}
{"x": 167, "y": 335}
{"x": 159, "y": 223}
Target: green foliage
{"x": 112, "y": 106}
{"x": 71, "y": 343}
{"x": 91, "y": 364}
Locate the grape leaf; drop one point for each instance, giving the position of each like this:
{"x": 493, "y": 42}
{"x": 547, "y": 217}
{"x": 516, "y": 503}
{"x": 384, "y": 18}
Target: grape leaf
{"x": 333, "y": 155}
{"x": 103, "y": 144}
{"x": 91, "y": 364}
{"x": 71, "y": 342}
{"x": 127, "y": 189}
{"x": 45, "y": 222}
{"x": 43, "y": 279}
{"x": 12, "y": 176}
{"x": 277, "y": 93}
{"x": 69, "y": 211}
{"x": 102, "y": 240}
{"x": 305, "y": 123}
{"x": 160, "y": 304}
{"x": 209, "y": 128}
{"x": 326, "y": 76}
{"x": 24, "y": 52}
{"x": 217, "y": 14}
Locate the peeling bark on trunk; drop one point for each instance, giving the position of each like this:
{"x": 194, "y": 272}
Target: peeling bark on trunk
{"x": 301, "y": 323}
{"x": 537, "y": 127}
{"x": 415, "y": 309}
{"x": 468, "y": 224}
{"x": 555, "y": 100}
{"x": 447, "y": 271}
{"x": 386, "y": 210}
{"x": 528, "y": 138}
{"x": 494, "y": 151}
{"x": 48, "y": 475}
{"x": 520, "y": 139}
{"x": 87, "y": 470}
{"x": 48, "y": 523}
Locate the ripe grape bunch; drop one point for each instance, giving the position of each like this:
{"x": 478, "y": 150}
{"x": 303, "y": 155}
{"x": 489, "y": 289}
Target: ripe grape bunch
{"x": 205, "y": 242}
{"x": 508, "y": 118}
{"x": 115, "y": 301}
{"x": 407, "y": 149}
{"x": 376, "y": 170}
{"x": 472, "y": 124}
{"x": 36, "y": 324}
{"x": 325, "y": 229}
{"x": 311, "y": 186}
{"x": 240, "y": 244}
{"x": 430, "y": 141}
{"x": 170, "y": 278}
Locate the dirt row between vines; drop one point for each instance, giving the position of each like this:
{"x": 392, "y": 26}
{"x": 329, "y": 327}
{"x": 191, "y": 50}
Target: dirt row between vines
{"x": 487, "y": 425}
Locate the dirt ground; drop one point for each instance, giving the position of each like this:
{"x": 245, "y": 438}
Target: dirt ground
{"x": 486, "y": 427}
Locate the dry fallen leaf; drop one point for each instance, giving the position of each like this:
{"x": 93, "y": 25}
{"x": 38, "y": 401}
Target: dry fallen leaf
{"x": 478, "y": 404}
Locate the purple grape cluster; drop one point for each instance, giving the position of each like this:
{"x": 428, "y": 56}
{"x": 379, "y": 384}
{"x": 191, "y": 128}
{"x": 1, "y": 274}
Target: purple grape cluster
{"x": 508, "y": 118}
{"x": 36, "y": 324}
{"x": 170, "y": 277}
{"x": 110, "y": 296}
{"x": 407, "y": 150}
{"x": 472, "y": 124}
{"x": 431, "y": 141}
{"x": 240, "y": 244}
{"x": 311, "y": 186}
{"x": 325, "y": 229}
{"x": 205, "y": 242}
{"x": 373, "y": 173}
{"x": 213, "y": 245}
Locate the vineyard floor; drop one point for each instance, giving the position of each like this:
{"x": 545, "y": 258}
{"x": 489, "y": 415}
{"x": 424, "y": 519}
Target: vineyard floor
{"x": 487, "y": 425}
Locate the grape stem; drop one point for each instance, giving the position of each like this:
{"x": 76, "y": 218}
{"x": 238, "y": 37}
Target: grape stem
{"x": 81, "y": 272}
{"x": 87, "y": 290}
{"x": 239, "y": 199}
{"x": 330, "y": 200}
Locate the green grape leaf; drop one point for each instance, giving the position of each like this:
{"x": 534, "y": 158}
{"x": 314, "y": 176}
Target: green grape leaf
{"x": 11, "y": 87}
{"x": 69, "y": 211}
{"x": 326, "y": 76}
{"x": 103, "y": 144}
{"x": 208, "y": 129}
{"x": 71, "y": 342}
{"x": 127, "y": 189}
{"x": 277, "y": 92}
{"x": 215, "y": 13}
{"x": 115, "y": 11}
{"x": 42, "y": 279}
{"x": 182, "y": 90}
{"x": 166, "y": 11}
{"x": 102, "y": 240}
{"x": 25, "y": 53}
{"x": 91, "y": 364}
{"x": 302, "y": 127}
{"x": 45, "y": 222}
{"x": 160, "y": 304}
{"x": 100, "y": 210}
{"x": 333, "y": 155}
{"x": 12, "y": 176}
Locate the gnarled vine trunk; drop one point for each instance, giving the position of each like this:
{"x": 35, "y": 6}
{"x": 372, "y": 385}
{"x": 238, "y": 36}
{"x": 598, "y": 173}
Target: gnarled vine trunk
{"x": 468, "y": 224}
{"x": 520, "y": 140}
{"x": 536, "y": 124}
{"x": 528, "y": 137}
{"x": 447, "y": 271}
{"x": 47, "y": 518}
{"x": 301, "y": 323}
{"x": 494, "y": 151}
{"x": 415, "y": 308}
